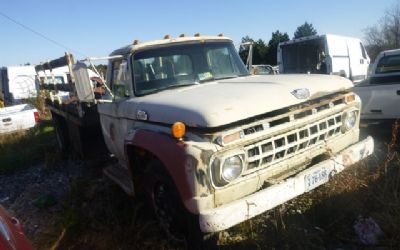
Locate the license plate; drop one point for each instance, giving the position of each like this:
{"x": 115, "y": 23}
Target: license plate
{"x": 315, "y": 179}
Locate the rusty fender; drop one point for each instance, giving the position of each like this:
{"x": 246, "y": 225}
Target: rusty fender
{"x": 171, "y": 152}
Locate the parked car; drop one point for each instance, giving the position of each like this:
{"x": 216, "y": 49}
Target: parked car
{"x": 18, "y": 117}
{"x": 324, "y": 54}
{"x": 264, "y": 69}
{"x": 12, "y": 236}
{"x": 380, "y": 92}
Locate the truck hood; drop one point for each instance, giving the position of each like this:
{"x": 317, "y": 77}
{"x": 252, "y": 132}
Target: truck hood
{"x": 218, "y": 103}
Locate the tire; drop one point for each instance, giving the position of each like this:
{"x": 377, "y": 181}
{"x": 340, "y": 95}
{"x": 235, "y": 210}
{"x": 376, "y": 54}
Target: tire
{"x": 163, "y": 197}
{"x": 61, "y": 133}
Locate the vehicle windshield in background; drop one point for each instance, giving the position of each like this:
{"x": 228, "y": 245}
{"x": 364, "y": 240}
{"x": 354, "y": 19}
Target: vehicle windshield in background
{"x": 388, "y": 64}
{"x": 263, "y": 70}
{"x": 182, "y": 65}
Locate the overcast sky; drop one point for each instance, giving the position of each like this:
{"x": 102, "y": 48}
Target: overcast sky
{"x": 95, "y": 28}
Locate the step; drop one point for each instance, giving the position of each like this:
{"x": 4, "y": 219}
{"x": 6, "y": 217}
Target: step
{"x": 121, "y": 176}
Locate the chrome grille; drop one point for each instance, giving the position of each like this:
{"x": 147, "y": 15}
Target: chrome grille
{"x": 277, "y": 148}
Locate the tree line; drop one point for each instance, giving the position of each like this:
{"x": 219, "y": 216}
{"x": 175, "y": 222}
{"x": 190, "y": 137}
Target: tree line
{"x": 384, "y": 35}
{"x": 265, "y": 53}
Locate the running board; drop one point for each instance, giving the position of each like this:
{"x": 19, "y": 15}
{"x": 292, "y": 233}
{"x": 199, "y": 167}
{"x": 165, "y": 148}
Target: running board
{"x": 120, "y": 176}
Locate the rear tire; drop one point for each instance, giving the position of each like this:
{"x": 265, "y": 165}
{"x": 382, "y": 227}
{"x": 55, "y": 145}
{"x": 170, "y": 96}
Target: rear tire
{"x": 61, "y": 133}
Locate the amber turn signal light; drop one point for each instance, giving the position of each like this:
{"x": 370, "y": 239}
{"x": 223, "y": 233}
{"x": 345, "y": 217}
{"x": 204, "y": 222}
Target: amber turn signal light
{"x": 178, "y": 130}
{"x": 350, "y": 98}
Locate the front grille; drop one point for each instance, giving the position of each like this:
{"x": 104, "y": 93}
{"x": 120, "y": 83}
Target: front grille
{"x": 292, "y": 114}
{"x": 280, "y": 147}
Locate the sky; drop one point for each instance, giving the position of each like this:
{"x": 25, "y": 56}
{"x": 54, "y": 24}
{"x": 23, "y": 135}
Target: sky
{"x": 96, "y": 28}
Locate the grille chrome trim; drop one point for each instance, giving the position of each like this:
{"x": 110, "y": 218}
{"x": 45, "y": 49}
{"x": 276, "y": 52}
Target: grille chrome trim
{"x": 295, "y": 113}
{"x": 277, "y": 148}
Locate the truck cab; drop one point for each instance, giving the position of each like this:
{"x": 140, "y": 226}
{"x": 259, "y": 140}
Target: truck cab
{"x": 211, "y": 145}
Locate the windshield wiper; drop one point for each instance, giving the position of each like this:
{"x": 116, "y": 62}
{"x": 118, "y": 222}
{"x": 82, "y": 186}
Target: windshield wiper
{"x": 176, "y": 86}
{"x": 226, "y": 77}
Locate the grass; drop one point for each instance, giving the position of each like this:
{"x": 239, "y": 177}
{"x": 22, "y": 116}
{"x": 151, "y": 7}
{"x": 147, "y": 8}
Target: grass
{"x": 25, "y": 148}
{"x": 98, "y": 215}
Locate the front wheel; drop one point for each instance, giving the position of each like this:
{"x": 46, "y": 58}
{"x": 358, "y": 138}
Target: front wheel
{"x": 176, "y": 221}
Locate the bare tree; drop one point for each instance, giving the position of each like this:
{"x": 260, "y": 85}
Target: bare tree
{"x": 386, "y": 33}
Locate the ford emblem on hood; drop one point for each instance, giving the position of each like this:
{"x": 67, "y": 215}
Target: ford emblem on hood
{"x": 301, "y": 93}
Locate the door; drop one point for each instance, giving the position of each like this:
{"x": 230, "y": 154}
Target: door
{"x": 114, "y": 124}
{"x": 359, "y": 60}
{"x": 338, "y": 57}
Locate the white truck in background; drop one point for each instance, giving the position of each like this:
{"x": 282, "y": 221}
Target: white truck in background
{"x": 17, "y": 83}
{"x": 380, "y": 92}
{"x": 324, "y": 54}
{"x": 18, "y": 117}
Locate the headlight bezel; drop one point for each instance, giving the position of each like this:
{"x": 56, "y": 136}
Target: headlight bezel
{"x": 217, "y": 168}
{"x": 354, "y": 116}
{"x": 224, "y": 168}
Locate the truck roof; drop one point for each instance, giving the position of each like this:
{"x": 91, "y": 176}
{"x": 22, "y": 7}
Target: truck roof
{"x": 164, "y": 42}
{"x": 390, "y": 52}
{"x": 307, "y": 38}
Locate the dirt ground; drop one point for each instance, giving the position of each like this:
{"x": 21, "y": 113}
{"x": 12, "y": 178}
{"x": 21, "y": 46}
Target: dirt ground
{"x": 73, "y": 206}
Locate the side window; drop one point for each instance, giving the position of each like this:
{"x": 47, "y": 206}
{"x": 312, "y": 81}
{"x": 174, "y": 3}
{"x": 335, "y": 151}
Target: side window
{"x": 119, "y": 83}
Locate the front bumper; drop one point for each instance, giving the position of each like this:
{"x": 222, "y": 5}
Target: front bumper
{"x": 226, "y": 216}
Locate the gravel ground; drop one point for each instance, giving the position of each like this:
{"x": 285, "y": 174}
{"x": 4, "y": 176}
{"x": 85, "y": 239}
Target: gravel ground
{"x": 35, "y": 195}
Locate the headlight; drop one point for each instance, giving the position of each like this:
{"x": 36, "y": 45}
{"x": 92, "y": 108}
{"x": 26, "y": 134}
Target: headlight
{"x": 349, "y": 119}
{"x": 232, "y": 168}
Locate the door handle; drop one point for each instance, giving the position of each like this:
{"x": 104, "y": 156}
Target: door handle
{"x": 398, "y": 92}
{"x": 7, "y": 120}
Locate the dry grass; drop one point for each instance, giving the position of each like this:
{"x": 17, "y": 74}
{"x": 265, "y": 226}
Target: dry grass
{"x": 98, "y": 215}
{"x": 25, "y": 148}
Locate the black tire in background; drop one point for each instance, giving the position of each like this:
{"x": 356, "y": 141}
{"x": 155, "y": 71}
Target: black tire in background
{"x": 61, "y": 132}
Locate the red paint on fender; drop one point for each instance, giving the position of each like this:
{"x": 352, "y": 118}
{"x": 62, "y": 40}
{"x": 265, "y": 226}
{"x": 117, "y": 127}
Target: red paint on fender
{"x": 172, "y": 154}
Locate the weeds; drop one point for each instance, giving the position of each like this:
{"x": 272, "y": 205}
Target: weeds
{"x": 22, "y": 149}
{"x": 98, "y": 215}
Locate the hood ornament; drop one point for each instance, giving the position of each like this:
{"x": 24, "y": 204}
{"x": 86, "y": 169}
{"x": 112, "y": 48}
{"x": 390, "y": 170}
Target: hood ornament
{"x": 303, "y": 93}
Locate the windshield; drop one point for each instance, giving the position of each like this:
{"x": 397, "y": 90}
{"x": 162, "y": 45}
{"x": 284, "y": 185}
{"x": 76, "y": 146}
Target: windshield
{"x": 182, "y": 65}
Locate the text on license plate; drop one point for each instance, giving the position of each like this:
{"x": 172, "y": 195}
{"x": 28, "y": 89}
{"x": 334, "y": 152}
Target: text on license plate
{"x": 315, "y": 179}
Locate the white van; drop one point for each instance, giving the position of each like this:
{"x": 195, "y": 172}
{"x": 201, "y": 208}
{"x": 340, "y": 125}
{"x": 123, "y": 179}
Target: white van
{"x": 380, "y": 93}
{"x": 324, "y": 54}
{"x": 17, "y": 83}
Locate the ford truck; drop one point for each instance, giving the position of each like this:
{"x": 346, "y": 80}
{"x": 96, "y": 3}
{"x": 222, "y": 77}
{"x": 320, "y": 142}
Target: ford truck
{"x": 212, "y": 146}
